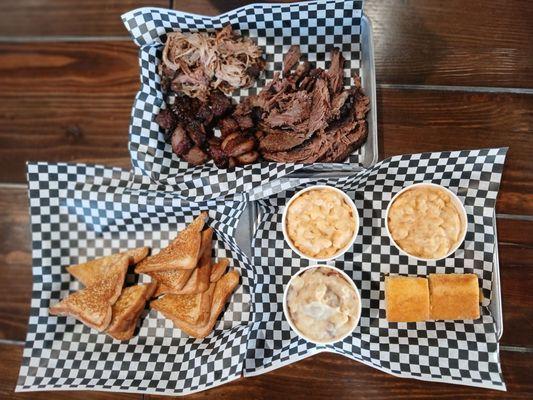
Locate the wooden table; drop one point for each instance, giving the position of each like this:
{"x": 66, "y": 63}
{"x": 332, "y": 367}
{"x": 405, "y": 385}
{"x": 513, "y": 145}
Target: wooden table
{"x": 451, "y": 75}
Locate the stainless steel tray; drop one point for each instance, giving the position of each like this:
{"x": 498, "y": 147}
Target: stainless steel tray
{"x": 250, "y": 220}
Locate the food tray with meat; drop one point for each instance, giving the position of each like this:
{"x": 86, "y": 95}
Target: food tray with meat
{"x": 238, "y": 100}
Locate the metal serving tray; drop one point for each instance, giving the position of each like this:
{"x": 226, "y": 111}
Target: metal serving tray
{"x": 251, "y": 217}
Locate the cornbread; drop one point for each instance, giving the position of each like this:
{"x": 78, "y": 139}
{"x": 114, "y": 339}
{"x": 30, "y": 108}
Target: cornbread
{"x": 425, "y": 222}
{"x": 320, "y": 223}
{"x": 322, "y": 305}
{"x": 406, "y": 299}
{"x": 454, "y": 296}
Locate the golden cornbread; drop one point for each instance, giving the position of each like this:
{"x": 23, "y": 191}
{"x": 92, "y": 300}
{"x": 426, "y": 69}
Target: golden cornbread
{"x": 454, "y": 296}
{"x": 320, "y": 223}
{"x": 425, "y": 222}
{"x": 406, "y": 299}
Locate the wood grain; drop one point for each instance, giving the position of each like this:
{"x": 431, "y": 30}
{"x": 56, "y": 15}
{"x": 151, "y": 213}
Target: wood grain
{"x": 68, "y": 18}
{"x": 472, "y": 43}
{"x": 412, "y": 121}
{"x": 431, "y": 42}
{"x": 65, "y": 102}
{"x": 10, "y": 356}
{"x": 78, "y": 97}
{"x": 516, "y": 266}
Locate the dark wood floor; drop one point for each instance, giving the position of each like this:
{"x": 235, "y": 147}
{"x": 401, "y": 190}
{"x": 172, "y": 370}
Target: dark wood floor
{"x": 451, "y": 75}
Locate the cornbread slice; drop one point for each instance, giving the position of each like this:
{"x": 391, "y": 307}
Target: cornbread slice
{"x": 454, "y": 296}
{"x": 406, "y": 298}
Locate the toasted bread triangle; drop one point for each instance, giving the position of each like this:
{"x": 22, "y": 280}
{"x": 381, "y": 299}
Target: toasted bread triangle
{"x": 218, "y": 269}
{"x": 127, "y": 310}
{"x": 192, "y": 308}
{"x": 188, "y": 281}
{"x": 221, "y": 293}
{"x": 92, "y": 271}
{"x": 199, "y": 279}
{"x": 181, "y": 253}
{"x": 93, "y": 305}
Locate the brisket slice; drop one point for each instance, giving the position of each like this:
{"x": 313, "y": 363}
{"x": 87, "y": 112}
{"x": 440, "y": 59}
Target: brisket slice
{"x": 344, "y": 141}
{"x": 293, "y": 109}
{"x": 335, "y": 72}
{"x": 307, "y": 152}
{"x": 291, "y": 58}
{"x": 281, "y": 140}
{"x": 318, "y": 120}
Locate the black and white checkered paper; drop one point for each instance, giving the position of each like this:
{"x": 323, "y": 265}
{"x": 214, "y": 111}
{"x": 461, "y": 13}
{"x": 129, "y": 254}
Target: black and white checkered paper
{"x": 79, "y": 212}
{"x": 462, "y": 352}
{"x": 317, "y": 26}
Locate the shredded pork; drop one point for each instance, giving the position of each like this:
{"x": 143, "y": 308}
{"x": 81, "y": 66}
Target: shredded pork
{"x": 197, "y": 63}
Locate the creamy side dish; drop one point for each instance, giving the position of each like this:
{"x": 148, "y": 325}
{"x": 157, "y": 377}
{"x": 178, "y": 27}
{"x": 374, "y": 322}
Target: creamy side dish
{"x": 320, "y": 223}
{"x": 322, "y": 305}
{"x": 425, "y": 222}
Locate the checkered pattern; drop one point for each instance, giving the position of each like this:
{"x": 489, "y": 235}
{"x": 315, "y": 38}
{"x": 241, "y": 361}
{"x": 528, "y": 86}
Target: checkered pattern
{"x": 315, "y": 26}
{"x": 79, "y": 212}
{"x": 464, "y": 352}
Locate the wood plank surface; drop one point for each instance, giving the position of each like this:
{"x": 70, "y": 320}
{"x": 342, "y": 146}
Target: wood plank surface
{"x": 78, "y": 99}
{"x": 10, "y": 356}
{"x": 412, "y": 121}
{"x": 516, "y": 266}
{"x": 306, "y": 379}
{"x": 67, "y": 18}
{"x": 434, "y": 42}
{"x": 454, "y": 42}
{"x": 65, "y": 102}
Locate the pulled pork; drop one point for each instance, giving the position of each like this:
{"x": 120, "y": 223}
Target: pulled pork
{"x": 196, "y": 63}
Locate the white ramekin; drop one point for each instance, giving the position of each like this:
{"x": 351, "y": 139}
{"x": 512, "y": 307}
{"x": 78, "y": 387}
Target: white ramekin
{"x": 341, "y": 251}
{"x": 458, "y": 204}
{"x": 286, "y": 308}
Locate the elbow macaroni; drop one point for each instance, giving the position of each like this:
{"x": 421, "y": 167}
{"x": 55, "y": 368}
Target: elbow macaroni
{"x": 320, "y": 223}
{"x": 425, "y": 222}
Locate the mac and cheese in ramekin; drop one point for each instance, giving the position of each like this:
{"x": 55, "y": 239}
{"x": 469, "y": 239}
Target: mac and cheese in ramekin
{"x": 321, "y": 223}
{"x": 426, "y": 221}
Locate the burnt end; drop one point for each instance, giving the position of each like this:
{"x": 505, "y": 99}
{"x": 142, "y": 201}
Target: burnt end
{"x": 181, "y": 143}
{"x": 185, "y": 107}
{"x": 228, "y": 125}
{"x": 205, "y": 114}
{"x": 236, "y": 144}
{"x": 197, "y": 132}
{"x": 220, "y": 103}
{"x": 196, "y": 156}
{"x": 245, "y": 122}
{"x": 247, "y": 158}
{"x": 166, "y": 119}
{"x": 220, "y": 158}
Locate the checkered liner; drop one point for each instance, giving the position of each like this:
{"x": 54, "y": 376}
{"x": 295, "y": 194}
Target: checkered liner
{"x": 315, "y": 26}
{"x": 463, "y": 352}
{"x": 79, "y": 212}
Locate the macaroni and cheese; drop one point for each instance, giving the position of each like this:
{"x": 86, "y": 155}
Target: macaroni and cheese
{"x": 320, "y": 223}
{"x": 425, "y": 222}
